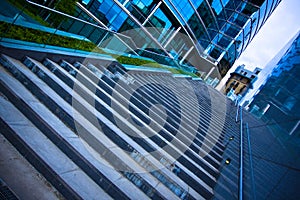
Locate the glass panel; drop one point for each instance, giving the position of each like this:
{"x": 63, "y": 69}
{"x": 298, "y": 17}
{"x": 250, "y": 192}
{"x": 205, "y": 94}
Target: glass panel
{"x": 197, "y": 27}
{"x": 212, "y": 32}
{"x": 269, "y": 7}
{"x": 232, "y": 53}
{"x": 160, "y": 25}
{"x": 249, "y": 9}
{"x": 215, "y": 52}
{"x": 184, "y": 8}
{"x": 254, "y": 24}
{"x": 175, "y": 12}
{"x": 238, "y": 19}
{"x": 247, "y": 34}
{"x": 135, "y": 9}
{"x": 217, "y": 6}
{"x": 119, "y": 21}
{"x": 204, "y": 43}
{"x": 196, "y": 3}
{"x": 128, "y": 25}
{"x": 262, "y": 12}
{"x": 239, "y": 43}
{"x": 224, "y": 41}
{"x": 206, "y": 15}
{"x": 231, "y": 30}
{"x": 86, "y": 1}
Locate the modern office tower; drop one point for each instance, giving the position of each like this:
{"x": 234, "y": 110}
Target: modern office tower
{"x": 240, "y": 81}
{"x": 206, "y": 34}
{"x": 278, "y": 99}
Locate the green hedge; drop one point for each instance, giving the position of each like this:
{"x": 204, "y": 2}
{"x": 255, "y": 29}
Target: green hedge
{"x": 132, "y": 61}
{"x": 41, "y": 37}
{"x": 147, "y": 63}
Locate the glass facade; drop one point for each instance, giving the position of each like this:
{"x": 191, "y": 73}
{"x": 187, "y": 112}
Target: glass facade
{"x": 215, "y": 30}
{"x": 279, "y": 97}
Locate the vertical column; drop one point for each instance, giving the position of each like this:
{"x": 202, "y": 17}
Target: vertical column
{"x": 172, "y": 37}
{"x": 124, "y": 4}
{"x": 152, "y": 13}
{"x": 209, "y": 73}
{"x": 294, "y": 128}
{"x": 142, "y": 27}
{"x": 186, "y": 54}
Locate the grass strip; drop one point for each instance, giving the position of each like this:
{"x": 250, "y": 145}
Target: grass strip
{"x": 32, "y": 35}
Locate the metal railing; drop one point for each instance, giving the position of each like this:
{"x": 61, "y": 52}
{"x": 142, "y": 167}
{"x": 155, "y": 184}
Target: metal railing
{"x": 251, "y": 163}
{"x": 94, "y": 34}
{"x": 241, "y": 155}
{"x": 244, "y": 127}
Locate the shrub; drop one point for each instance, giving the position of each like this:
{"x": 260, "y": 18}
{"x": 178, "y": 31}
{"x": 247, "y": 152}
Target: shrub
{"x": 41, "y": 37}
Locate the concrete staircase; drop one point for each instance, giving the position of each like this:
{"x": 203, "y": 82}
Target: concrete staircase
{"x": 97, "y": 131}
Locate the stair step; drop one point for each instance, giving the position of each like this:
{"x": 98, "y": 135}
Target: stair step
{"x": 59, "y": 168}
{"x": 111, "y": 108}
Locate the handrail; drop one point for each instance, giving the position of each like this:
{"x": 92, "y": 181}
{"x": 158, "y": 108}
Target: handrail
{"x": 251, "y": 162}
{"x": 237, "y": 113}
{"x": 241, "y": 167}
{"x": 241, "y": 156}
{"x": 237, "y": 109}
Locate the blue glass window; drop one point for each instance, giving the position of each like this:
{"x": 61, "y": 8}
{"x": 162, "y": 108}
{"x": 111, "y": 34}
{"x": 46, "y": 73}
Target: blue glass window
{"x": 247, "y": 34}
{"x": 224, "y": 41}
{"x": 86, "y": 1}
{"x": 231, "y": 30}
{"x": 185, "y": 8}
{"x": 232, "y": 53}
{"x": 196, "y": 3}
{"x": 119, "y": 21}
{"x": 207, "y": 16}
{"x": 217, "y": 6}
{"x": 269, "y": 7}
{"x": 163, "y": 18}
{"x": 225, "y": 2}
{"x": 239, "y": 43}
{"x": 262, "y": 12}
{"x": 105, "y": 6}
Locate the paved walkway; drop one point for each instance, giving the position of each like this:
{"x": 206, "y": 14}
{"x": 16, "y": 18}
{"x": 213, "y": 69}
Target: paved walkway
{"x": 21, "y": 177}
